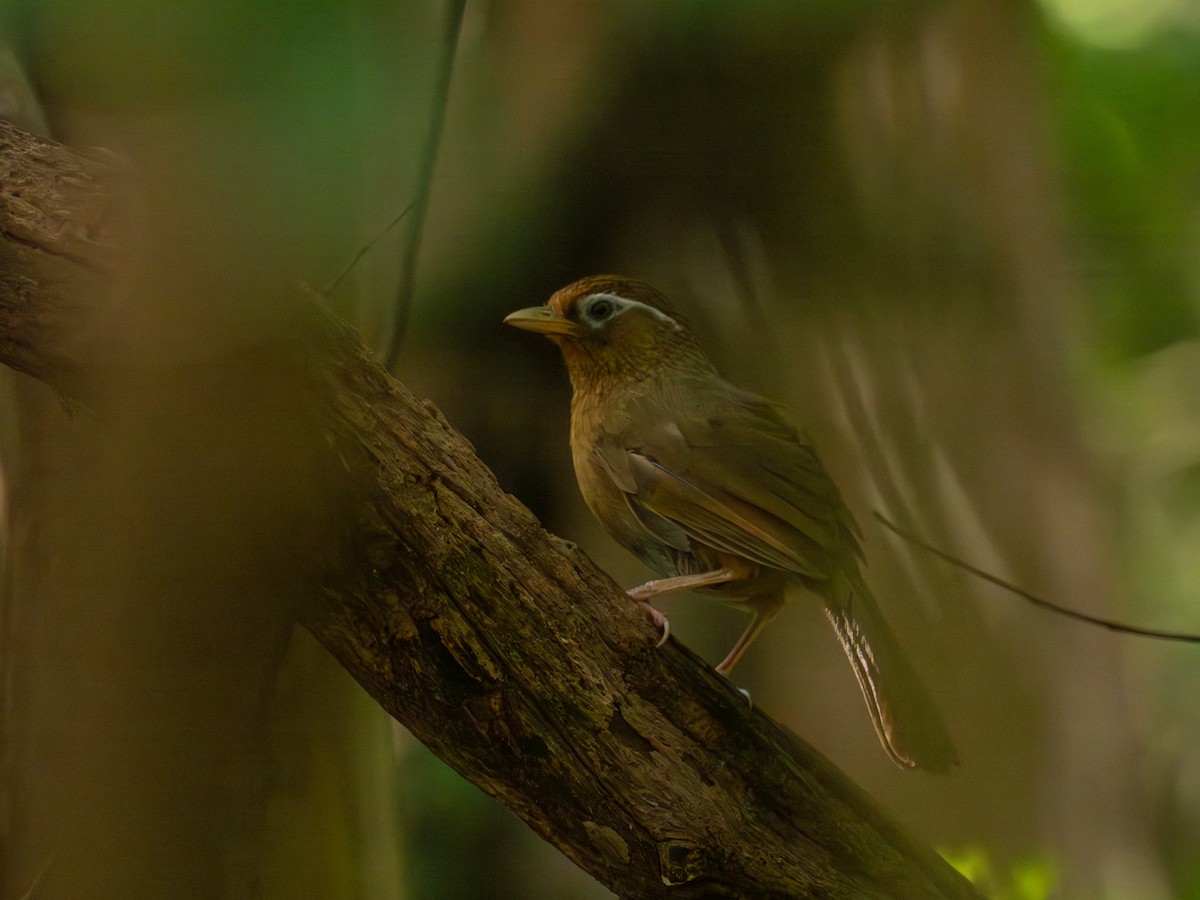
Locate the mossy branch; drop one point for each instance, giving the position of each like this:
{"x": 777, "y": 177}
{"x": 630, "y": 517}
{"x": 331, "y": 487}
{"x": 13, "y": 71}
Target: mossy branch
{"x": 498, "y": 645}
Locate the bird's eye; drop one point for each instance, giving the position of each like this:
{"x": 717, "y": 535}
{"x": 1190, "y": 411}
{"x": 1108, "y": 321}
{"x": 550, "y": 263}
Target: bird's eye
{"x": 600, "y": 308}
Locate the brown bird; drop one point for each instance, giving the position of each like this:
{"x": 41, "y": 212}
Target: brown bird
{"x": 714, "y": 489}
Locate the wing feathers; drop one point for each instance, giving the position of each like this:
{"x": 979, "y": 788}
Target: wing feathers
{"x": 727, "y": 471}
{"x": 721, "y": 521}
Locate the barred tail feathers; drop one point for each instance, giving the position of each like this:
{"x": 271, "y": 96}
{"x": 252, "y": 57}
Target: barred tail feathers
{"x": 906, "y": 719}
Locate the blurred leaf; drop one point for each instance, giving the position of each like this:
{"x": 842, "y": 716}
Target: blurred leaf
{"x": 1034, "y": 879}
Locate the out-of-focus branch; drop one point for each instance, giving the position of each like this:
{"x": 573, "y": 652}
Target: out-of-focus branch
{"x": 1160, "y": 634}
{"x": 420, "y": 205}
{"x": 498, "y": 645}
{"x": 53, "y": 206}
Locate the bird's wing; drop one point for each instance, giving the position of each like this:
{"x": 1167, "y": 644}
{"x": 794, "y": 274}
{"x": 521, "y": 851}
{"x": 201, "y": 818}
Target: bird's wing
{"x": 730, "y": 472}
{"x": 618, "y": 464}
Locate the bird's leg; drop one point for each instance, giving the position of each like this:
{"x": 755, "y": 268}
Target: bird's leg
{"x": 757, "y": 624}
{"x": 763, "y": 611}
{"x": 682, "y": 583}
{"x": 643, "y": 592}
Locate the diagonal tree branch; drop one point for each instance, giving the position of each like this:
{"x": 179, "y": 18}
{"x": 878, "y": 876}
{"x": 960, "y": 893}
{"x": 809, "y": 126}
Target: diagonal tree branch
{"x": 498, "y": 645}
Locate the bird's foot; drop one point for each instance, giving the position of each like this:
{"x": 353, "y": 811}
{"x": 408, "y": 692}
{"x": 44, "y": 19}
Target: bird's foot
{"x": 659, "y": 619}
{"x": 642, "y": 593}
{"x": 723, "y": 671}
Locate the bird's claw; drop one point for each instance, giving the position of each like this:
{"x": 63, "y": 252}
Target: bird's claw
{"x": 723, "y": 671}
{"x": 659, "y": 619}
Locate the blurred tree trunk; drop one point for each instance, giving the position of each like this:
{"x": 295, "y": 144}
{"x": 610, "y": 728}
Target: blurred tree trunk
{"x": 159, "y": 549}
{"x": 216, "y": 101}
{"x": 283, "y": 457}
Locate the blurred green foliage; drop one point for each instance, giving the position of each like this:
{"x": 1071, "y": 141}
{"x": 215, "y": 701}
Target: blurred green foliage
{"x": 1031, "y": 880}
{"x": 1129, "y": 139}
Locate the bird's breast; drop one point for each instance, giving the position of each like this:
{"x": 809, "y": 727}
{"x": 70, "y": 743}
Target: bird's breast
{"x": 608, "y": 503}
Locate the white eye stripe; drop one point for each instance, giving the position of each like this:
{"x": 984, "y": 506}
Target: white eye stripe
{"x": 625, "y": 303}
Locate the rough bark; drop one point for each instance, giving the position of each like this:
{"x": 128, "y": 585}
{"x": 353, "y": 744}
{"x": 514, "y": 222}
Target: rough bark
{"x": 498, "y": 645}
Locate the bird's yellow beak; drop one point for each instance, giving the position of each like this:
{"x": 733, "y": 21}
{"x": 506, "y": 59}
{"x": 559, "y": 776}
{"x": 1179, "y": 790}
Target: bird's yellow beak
{"x": 542, "y": 319}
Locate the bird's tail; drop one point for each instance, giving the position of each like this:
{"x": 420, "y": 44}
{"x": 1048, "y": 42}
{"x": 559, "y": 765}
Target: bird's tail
{"x": 908, "y": 723}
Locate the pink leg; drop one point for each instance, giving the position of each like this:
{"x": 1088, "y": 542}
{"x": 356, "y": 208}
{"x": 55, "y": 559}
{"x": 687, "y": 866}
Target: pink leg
{"x": 682, "y": 583}
{"x": 762, "y": 616}
{"x": 643, "y": 592}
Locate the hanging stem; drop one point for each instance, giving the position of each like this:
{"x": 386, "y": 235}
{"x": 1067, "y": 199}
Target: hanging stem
{"x": 1110, "y": 624}
{"x": 420, "y": 204}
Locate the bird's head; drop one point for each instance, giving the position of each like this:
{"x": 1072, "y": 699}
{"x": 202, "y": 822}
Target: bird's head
{"x": 613, "y": 328}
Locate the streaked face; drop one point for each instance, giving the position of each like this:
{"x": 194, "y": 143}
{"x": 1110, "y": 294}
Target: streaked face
{"x": 591, "y": 308}
{"x": 612, "y": 328}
